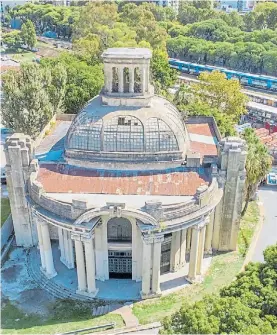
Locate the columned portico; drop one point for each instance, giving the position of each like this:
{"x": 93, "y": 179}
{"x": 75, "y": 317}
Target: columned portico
{"x": 85, "y": 260}
{"x": 151, "y": 266}
{"x": 46, "y": 250}
{"x": 197, "y": 250}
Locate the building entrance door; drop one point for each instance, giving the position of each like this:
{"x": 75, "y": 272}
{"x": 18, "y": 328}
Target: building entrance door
{"x": 120, "y": 264}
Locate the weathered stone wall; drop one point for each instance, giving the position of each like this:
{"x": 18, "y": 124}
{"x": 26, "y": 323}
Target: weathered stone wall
{"x": 232, "y": 158}
{"x": 19, "y": 153}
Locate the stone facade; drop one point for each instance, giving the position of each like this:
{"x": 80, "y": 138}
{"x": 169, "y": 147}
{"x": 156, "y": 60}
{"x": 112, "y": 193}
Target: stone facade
{"x": 142, "y": 236}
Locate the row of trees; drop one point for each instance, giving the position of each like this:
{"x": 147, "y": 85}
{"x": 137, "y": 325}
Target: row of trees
{"x": 243, "y": 56}
{"x": 59, "y": 19}
{"x": 247, "y": 306}
{"x": 264, "y": 16}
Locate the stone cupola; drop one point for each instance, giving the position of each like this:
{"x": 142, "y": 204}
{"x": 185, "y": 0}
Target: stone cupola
{"x": 127, "y": 72}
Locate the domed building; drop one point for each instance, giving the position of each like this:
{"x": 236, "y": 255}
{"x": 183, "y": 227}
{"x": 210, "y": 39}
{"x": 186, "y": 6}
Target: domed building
{"x": 136, "y": 193}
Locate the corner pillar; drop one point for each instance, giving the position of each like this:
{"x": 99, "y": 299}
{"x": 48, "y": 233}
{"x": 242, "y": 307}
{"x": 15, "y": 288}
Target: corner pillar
{"x": 146, "y": 273}
{"x": 193, "y": 253}
{"x": 81, "y": 271}
{"x": 175, "y": 251}
{"x": 41, "y": 249}
{"x": 90, "y": 266}
{"x": 201, "y": 250}
{"x": 157, "y": 248}
{"x": 50, "y": 271}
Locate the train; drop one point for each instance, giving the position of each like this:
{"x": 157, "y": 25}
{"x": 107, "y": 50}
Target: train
{"x": 246, "y": 79}
{"x": 259, "y": 97}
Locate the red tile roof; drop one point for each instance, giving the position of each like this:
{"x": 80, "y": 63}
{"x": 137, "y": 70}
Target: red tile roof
{"x": 77, "y": 180}
{"x": 203, "y": 148}
{"x": 201, "y": 129}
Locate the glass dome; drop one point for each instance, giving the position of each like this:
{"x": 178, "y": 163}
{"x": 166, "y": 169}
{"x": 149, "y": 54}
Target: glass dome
{"x": 105, "y": 129}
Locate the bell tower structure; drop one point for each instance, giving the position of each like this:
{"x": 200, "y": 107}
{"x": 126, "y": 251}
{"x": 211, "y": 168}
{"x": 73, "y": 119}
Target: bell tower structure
{"x": 127, "y": 77}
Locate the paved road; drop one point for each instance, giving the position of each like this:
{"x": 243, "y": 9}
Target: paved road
{"x": 268, "y": 234}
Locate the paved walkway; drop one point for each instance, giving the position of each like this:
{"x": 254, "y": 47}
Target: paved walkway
{"x": 268, "y": 234}
{"x": 127, "y": 314}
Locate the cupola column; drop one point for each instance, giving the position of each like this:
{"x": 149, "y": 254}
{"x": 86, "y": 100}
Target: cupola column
{"x": 120, "y": 79}
{"x": 143, "y": 79}
{"x": 131, "y": 79}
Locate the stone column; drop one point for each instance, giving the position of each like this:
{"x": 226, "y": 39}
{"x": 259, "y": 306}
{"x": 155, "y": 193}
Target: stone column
{"x": 201, "y": 250}
{"x": 189, "y": 232}
{"x": 81, "y": 271}
{"x": 194, "y": 253}
{"x": 139, "y": 254}
{"x": 108, "y": 77}
{"x": 101, "y": 251}
{"x": 41, "y": 249}
{"x": 70, "y": 253}
{"x": 175, "y": 251}
{"x": 90, "y": 266}
{"x": 61, "y": 243}
{"x": 50, "y": 271}
{"x": 157, "y": 248}
{"x": 132, "y": 79}
{"x": 183, "y": 247}
{"x": 143, "y": 79}
{"x": 135, "y": 254}
{"x": 209, "y": 234}
{"x": 120, "y": 79}
{"x": 146, "y": 271}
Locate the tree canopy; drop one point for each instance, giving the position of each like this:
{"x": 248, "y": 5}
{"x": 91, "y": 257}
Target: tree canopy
{"x": 258, "y": 163}
{"x": 247, "y": 306}
{"x": 31, "y": 97}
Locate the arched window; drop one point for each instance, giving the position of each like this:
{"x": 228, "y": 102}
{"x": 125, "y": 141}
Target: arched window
{"x": 159, "y": 136}
{"x": 119, "y": 229}
{"x": 123, "y": 134}
{"x": 86, "y": 134}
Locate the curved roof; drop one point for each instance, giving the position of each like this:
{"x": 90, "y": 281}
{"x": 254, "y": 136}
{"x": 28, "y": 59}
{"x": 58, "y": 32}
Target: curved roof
{"x": 125, "y": 129}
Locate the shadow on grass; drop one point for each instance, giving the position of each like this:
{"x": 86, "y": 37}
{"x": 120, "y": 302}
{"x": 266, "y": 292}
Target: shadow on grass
{"x": 62, "y": 313}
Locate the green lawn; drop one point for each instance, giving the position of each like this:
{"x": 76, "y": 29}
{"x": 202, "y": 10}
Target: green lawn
{"x": 224, "y": 268}
{"x": 247, "y": 226}
{"x": 20, "y": 55}
{"x": 5, "y": 209}
{"x": 64, "y": 316}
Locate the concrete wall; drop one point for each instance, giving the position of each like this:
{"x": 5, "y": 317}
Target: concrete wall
{"x": 6, "y": 230}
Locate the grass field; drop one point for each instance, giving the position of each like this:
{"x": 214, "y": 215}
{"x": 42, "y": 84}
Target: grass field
{"x": 64, "y": 316}
{"x": 5, "y": 209}
{"x": 224, "y": 268}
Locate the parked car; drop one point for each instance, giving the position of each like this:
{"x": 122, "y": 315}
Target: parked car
{"x": 3, "y": 176}
{"x": 272, "y": 178}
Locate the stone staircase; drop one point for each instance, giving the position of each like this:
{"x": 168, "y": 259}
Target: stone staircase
{"x": 101, "y": 310}
{"x": 56, "y": 290}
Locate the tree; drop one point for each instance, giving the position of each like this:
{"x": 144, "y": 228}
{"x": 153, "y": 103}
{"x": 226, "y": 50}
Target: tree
{"x": 28, "y": 34}
{"x": 218, "y": 92}
{"x": 26, "y": 103}
{"x": 247, "y": 306}
{"x": 83, "y": 81}
{"x": 163, "y": 75}
{"x": 258, "y": 164}
{"x": 12, "y": 39}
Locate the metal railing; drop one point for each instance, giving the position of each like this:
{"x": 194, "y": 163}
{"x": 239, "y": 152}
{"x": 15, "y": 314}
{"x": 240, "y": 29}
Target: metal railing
{"x": 78, "y": 331}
